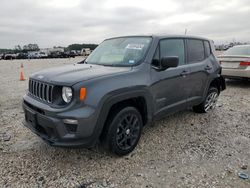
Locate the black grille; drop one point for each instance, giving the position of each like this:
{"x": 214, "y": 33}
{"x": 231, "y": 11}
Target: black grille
{"x": 41, "y": 90}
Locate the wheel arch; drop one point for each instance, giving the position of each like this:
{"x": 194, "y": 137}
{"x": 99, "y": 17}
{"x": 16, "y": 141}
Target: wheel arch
{"x": 139, "y": 98}
{"x": 219, "y": 83}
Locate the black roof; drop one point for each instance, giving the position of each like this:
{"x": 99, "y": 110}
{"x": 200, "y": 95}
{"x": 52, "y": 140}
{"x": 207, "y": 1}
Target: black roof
{"x": 161, "y": 36}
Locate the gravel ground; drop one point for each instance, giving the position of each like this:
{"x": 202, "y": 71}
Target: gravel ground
{"x": 182, "y": 150}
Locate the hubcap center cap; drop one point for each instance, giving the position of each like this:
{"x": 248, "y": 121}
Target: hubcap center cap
{"x": 127, "y": 131}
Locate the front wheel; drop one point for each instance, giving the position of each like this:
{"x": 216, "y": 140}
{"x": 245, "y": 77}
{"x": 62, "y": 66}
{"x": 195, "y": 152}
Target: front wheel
{"x": 209, "y": 103}
{"x": 123, "y": 131}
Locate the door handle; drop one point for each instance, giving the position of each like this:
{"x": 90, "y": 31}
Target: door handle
{"x": 208, "y": 68}
{"x": 184, "y": 73}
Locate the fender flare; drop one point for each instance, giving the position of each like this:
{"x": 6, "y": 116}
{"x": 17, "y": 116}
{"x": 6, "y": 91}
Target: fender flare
{"x": 221, "y": 82}
{"x": 117, "y": 96}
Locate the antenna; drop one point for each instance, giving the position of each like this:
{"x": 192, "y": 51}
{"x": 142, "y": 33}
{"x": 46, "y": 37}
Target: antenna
{"x": 186, "y": 31}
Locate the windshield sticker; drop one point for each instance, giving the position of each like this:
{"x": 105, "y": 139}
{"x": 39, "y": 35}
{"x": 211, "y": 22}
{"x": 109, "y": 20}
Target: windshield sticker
{"x": 131, "y": 61}
{"x": 135, "y": 46}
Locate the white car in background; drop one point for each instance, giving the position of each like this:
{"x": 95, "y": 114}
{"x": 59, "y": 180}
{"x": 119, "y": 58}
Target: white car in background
{"x": 37, "y": 55}
{"x": 235, "y": 62}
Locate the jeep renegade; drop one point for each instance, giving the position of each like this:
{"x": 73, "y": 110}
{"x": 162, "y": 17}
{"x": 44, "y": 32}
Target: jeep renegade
{"x": 123, "y": 85}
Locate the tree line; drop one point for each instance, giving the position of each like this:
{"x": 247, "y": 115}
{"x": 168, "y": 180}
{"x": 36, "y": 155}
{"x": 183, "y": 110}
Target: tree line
{"x": 35, "y": 47}
{"x": 81, "y": 46}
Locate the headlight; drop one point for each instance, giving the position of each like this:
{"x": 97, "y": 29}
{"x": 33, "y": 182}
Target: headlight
{"x": 67, "y": 94}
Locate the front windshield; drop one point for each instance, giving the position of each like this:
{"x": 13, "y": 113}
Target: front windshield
{"x": 238, "y": 50}
{"x": 124, "y": 51}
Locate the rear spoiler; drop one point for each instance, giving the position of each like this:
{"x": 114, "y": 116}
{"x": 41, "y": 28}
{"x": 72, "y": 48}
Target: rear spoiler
{"x": 234, "y": 56}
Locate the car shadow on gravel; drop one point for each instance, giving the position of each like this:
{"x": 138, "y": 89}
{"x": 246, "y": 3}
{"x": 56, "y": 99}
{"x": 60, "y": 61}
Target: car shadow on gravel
{"x": 239, "y": 83}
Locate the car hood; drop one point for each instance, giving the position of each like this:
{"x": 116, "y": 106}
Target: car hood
{"x": 71, "y": 74}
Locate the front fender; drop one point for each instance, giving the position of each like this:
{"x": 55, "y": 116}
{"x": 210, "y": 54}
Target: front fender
{"x": 120, "y": 95}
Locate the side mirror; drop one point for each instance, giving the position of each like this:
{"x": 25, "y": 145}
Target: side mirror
{"x": 170, "y": 61}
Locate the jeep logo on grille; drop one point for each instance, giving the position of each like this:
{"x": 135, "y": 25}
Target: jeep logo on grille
{"x": 40, "y": 76}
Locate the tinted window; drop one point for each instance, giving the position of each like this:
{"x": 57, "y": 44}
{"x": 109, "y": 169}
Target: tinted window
{"x": 173, "y": 47}
{"x": 196, "y": 51}
{"x": 207, "y": 49}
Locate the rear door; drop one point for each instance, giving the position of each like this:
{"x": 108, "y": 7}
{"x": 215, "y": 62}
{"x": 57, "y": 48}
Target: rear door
{"x": 200, "y": 67}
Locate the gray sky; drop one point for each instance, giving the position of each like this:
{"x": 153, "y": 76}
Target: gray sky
{"x": 62, "y": 22}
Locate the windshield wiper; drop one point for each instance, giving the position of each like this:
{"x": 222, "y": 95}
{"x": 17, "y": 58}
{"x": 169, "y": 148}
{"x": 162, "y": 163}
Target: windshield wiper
{"x": 101, "y": 64}
{"x": 82, "y": 62}
{"x": 109, "y": 65}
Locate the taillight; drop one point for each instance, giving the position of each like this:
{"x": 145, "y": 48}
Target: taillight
{"x": 244, "y": 63}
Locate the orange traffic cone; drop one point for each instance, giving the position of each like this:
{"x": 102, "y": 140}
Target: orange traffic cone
{"x": 22, "y": 74}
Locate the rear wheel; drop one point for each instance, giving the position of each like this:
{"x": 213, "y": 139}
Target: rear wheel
{"x": 123, "y": 131}
{"x": 209, "y": 103}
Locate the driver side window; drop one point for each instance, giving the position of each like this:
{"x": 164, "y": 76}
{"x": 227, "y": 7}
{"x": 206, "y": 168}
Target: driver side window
{"x": 173, "y": 47}
{"x": 169, "y": 47}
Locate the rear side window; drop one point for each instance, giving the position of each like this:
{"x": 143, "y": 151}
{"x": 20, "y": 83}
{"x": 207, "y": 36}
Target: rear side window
{"x": 173, "y": 47}
{"x": 196, "y": 51}
{"x": 207, "y": 49}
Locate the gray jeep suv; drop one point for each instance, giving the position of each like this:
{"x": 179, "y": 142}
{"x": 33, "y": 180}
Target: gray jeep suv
{"x": 122, "y": 86}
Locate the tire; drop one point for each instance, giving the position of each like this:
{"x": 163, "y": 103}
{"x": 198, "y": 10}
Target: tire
{"x": 209, "y": 103}
{"x": 123, "y": 131}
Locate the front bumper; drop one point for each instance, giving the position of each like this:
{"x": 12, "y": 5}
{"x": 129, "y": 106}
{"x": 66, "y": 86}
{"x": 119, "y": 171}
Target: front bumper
{"x": 242, "y": 73}
{"x": 50, "y": 126}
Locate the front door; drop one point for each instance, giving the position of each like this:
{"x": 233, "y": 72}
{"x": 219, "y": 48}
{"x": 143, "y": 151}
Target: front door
{"x": 169, "y": 87}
